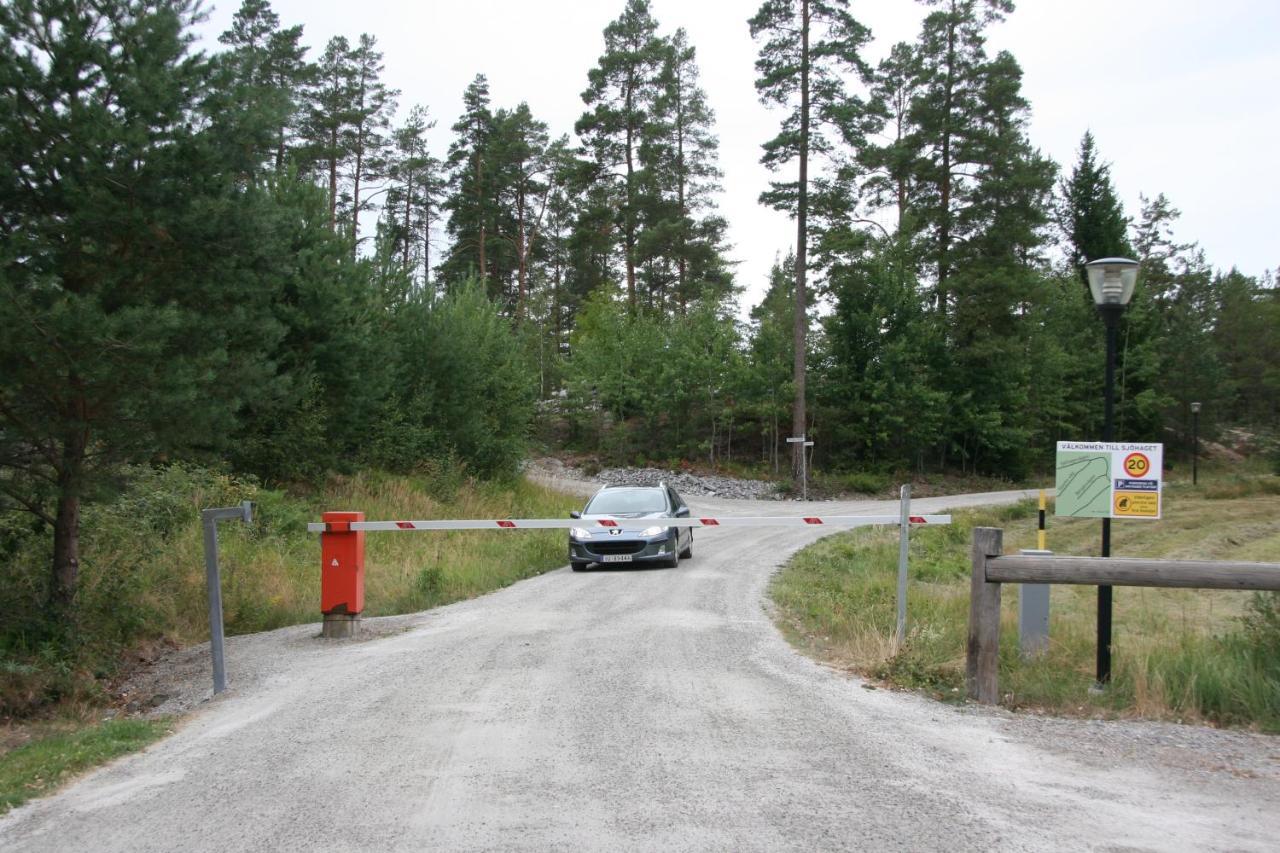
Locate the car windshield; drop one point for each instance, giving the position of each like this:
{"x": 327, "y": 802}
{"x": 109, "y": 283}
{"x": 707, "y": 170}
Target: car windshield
{"x": 627, "y": 500}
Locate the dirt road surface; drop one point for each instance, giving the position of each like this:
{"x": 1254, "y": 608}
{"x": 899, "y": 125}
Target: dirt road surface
{"x": 641, "y": 710}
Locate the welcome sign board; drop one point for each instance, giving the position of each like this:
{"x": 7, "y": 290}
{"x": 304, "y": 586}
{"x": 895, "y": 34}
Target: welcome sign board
{"x": 1098, "y": 479}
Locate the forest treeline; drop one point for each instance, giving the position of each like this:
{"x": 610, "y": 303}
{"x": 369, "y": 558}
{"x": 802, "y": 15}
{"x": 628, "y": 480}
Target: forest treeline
{"x": 254, "y": 256}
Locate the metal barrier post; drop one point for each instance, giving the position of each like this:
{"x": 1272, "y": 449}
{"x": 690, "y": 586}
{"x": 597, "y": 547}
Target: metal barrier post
{"x": 904, "y": 534}
{"x": 209, "y": 518}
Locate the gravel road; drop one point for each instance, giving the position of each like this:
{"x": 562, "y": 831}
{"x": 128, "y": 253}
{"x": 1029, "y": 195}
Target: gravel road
{"x": 641, "y": 710}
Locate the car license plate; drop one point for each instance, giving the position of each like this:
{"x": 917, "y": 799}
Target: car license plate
{"x": 617, "y": 558}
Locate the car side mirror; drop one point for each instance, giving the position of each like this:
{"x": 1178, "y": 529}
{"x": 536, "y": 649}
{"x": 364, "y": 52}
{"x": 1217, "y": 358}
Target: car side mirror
{"x": 682, "y": 512}
{"x": 575, "y": 514}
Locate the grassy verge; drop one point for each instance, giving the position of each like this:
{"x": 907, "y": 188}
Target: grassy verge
{"x": 142, "y": 568}
{"x": 46, "y": 763}
{"x": 1194, "y": 655}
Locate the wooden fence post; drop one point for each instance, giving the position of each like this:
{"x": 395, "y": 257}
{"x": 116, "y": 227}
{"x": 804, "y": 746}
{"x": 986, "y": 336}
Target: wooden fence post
{"x": 982, "y": 663}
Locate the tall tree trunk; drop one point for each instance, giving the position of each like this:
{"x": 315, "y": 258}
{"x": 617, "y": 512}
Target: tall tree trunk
{"x": 944, "y": 223}
{"x": 280, "y": 138}
{"x": 521, "y": 253}
{"x": 802, "y": 244}
{"x": 66, "y": 527}
{"x": 629, "y": 220}
{"x": 333, "y": 180}
{"x": 480, "y": 248}
{"x": 683, "y": 261}
{"x": 408, "y": 216}
{"x": 426, "y": 241}
{"x": 355, "y": 195}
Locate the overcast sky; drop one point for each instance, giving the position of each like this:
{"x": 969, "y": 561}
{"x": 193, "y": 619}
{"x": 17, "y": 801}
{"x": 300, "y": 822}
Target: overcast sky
{"x": 1183, "y": 96}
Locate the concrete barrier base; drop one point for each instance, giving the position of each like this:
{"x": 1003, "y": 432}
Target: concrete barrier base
{"x": 340, "y": 626}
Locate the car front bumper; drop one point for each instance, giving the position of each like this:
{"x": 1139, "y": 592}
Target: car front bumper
{"x": 622, "y": 549}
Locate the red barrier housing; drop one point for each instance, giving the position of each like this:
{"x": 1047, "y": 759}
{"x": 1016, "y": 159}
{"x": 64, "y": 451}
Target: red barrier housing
{"x": 342, "y": 564}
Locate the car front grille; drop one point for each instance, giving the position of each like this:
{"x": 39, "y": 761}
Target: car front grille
{"x": 617, "y": 547}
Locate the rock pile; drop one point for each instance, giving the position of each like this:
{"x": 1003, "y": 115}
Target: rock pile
{"x": 687, "y": 484}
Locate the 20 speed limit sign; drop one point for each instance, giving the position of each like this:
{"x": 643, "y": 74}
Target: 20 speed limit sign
{"x": 1137, "y": 465}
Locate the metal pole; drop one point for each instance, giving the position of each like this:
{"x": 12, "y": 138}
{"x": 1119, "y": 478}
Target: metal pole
{"x": 1195, "y": 443}
{"x": 209, "y": 518}
{"x": 1111, "y": 317}
{"x": 804, "y": 469}
{"x": 904, "y": 533}
{"x": 214, "y": 583}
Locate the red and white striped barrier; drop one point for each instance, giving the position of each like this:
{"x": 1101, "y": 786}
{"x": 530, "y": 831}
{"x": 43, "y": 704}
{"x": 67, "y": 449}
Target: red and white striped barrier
{"x": 342, "y": 544}
{"x": 624, "y": 523}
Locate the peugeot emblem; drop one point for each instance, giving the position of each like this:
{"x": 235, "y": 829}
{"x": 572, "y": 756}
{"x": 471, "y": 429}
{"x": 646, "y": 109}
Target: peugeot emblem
{"x": 615, "y": 531}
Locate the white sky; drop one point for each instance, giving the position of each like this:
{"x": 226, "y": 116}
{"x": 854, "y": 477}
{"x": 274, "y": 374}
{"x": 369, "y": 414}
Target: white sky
{"x": 1183, "y": 96}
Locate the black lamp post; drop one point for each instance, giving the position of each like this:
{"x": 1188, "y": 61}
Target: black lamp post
{"x": 1111, "y": 281}
{"x": 1195, "y": 442}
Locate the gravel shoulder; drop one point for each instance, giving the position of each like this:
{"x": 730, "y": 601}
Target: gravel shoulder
{"x": 635, "y": 710}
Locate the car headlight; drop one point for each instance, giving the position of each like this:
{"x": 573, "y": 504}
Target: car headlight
{"x": 579, "y": 533}
{"x": 652, "y": 531}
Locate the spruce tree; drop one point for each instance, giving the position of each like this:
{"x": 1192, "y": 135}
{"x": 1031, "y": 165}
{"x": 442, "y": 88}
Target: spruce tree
{"x": 1090, "y": 216}
{"x": 470, "y": 199}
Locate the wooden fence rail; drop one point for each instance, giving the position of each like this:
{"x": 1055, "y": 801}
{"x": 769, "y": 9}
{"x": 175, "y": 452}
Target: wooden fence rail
{"x": 991, "y": 569}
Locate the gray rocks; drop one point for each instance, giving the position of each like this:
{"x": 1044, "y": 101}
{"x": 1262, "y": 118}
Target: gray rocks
{"x": 687, "y": 484}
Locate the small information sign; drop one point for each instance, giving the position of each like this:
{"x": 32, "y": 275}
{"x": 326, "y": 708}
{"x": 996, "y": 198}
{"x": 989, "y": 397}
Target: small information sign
{"x": 1109, "y": 479}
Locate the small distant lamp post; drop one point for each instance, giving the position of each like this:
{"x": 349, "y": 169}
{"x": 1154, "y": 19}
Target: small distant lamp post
{"x": 1111, "y": 281}
{"x": 1195, "y": 442}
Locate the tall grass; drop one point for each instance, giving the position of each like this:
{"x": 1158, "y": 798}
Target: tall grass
{"x": 1198, "y": 655}
{"x": 143, "y": 577}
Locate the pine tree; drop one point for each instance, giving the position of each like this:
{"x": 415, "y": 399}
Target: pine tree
{"x": 683, "y": 154}
{"x": 769, "y": 356}
{"x": 809, "y": 46}
{"x": 329, "y": 117}
{"x": 621, "y": 94}
{"x": 372, "y": 105}
{"x": 997, "y": 271}
{"x": 137, "y": 263}
{"x": 523, "y": 176}
{"x": 949, "y": 131}
{"x": 414, "y": 195}
{"x": 889, "y": 164}
{"x": 271, "y": 64}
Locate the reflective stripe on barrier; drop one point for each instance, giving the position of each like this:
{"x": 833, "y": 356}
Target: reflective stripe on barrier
{"x": 625, "y": 523}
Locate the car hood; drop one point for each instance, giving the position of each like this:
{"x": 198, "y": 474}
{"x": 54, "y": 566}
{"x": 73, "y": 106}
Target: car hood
{"x": 658, "y": 514}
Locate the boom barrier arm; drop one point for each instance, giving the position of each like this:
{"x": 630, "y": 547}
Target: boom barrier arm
{"x": 624, "y": 523}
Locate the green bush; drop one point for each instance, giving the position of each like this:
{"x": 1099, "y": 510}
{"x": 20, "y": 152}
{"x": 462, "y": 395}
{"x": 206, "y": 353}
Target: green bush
{"x": 864, "y": 482}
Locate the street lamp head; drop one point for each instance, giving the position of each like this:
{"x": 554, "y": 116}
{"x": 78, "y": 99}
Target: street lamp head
{"x": 1195, "y": 408}
{"x": 1111, "y": 280}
